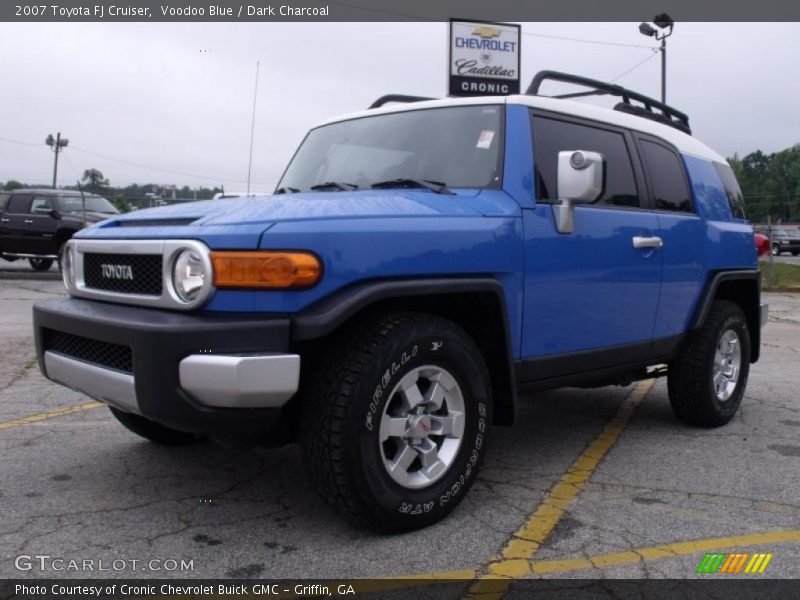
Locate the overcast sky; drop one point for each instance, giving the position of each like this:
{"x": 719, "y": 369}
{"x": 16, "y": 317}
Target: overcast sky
{"x": 178, "y": 97}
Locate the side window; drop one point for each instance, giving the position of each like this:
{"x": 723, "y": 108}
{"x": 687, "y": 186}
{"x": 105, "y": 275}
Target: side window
{"x": 18, "y": 204}
{"x": 41, "y": 204}
{"x": 732, "y": 190}
{"x": 3, "y": 201}
{"x": 550, "y": 136}
{"x": 665, "y": 169}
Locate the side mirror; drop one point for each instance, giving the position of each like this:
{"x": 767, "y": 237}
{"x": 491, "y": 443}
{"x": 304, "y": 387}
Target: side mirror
{"x": 54, "y": 213}
{"x": 581, "y": 179}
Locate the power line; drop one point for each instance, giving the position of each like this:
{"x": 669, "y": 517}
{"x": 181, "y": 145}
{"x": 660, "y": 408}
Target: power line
{"x": 151, "y": 168}
{"x": 636, "y": 66}
{"x": 20, "y": 143}
{"x": 585, "y": 41}
{"x": 528, "y": 33}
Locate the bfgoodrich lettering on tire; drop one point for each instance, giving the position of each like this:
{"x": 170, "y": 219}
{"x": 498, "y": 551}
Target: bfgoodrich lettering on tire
{"x": 707, "y": 380}
{"x": 394, "y": 426}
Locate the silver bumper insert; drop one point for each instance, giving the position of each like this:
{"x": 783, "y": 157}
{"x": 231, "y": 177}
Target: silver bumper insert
{"x": 105, "y": 385}
{"x": 266, "y": 380}
{"x": 764, "y": 315}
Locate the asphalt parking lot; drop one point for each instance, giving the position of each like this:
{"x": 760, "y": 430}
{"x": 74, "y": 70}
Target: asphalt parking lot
{"x": 589, "y": 484}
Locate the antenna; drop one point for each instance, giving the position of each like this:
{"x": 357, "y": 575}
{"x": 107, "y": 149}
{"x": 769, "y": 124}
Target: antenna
{"x": 252, "y": 131}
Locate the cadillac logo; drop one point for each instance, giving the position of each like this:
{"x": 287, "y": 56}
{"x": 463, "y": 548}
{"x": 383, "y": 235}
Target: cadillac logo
{"x": 117, "y": 272}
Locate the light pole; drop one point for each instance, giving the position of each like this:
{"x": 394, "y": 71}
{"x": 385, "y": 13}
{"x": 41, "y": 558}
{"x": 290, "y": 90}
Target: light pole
{"x": 664, "y": 22}
{"x": 56, "y": 143}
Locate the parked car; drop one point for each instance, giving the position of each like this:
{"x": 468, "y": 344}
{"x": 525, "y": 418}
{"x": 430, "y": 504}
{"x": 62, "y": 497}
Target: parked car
{"x": 418, "y": 265}
{"x": 36, "y": 223}
{"x": 785, "y": 239}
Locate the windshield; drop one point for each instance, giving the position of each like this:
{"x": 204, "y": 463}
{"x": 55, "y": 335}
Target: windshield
{"x": 457, "y": 146}
{"x": 93, "y": 204}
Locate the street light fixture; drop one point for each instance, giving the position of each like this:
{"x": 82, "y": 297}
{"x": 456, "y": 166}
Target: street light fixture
{"x": 664, "y": 22}
{"x": 56, "y": 143}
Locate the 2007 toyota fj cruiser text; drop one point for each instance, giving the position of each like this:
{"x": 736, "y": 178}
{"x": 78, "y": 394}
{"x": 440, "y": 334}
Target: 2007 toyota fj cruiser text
{"x": 417, "y": 265}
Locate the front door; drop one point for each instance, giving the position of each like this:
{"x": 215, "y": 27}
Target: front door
{"x": 592, "y": 289}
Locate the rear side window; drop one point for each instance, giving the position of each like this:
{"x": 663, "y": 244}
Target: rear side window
{"x": 732, "y": 190}
{"x": 19, "y": 204}
{"x": 550, "y": 136}
{"x": 665, "y": 170}
{"x": 41, "y": 204}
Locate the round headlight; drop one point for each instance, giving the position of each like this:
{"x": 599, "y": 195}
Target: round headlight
{"x": 189, "y": 275}
{"x": 67, "y": 264}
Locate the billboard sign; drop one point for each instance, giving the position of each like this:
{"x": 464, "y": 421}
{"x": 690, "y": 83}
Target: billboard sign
{"x": 484, "y": 58}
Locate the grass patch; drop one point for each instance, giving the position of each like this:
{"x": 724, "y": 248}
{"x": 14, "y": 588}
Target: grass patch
{"x": 785, "y": 275}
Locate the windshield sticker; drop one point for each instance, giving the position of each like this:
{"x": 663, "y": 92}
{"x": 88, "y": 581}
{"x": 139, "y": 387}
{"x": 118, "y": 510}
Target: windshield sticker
{"x": 485, "y": 139}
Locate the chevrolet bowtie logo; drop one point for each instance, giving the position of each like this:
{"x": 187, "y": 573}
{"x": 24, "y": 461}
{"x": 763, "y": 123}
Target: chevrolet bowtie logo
{"x": 486, "y": 32}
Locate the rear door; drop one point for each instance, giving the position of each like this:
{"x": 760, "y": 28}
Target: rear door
{"x": 39, "y": 227}
{"x": 12, "y": 221}
{"x": 682, "y": 233}
{"x": 591, "y": 297}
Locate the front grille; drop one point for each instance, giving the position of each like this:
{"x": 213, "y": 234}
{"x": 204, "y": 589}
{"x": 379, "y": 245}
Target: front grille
{"x": 123, "y": 273}
{"x": 100, "y": 353}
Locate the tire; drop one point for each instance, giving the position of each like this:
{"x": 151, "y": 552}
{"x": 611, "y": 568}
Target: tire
{"x": 358, "y": 387}
{"x": 154, "y": 432}
{"x": 776, "y": 250}
{"x": 41, "y": 264}
{"x": 795, "y": 252}
{"x": 694, "y": 397}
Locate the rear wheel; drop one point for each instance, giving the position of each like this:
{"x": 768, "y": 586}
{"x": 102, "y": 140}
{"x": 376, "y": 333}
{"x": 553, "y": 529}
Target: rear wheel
{"x": 154, "y": 432}
{"x": 394, "y": 427}
{"x": 707, "y": 380}
{"x": 795, "y": 252}
{"x": 41, "y": 264}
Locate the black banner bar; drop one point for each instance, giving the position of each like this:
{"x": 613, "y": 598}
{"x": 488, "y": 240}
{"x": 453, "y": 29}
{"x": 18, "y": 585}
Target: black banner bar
{"x": 386, "y": 10}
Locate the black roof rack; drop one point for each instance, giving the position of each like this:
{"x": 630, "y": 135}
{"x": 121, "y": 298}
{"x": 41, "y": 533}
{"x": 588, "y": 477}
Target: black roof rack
{"x": 397, "y": 98}
{"x": 651, "y": 109}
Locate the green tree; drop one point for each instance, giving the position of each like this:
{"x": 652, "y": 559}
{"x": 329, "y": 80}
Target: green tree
{"x": 94, "y": 180}
{"x": 12, "y": 184}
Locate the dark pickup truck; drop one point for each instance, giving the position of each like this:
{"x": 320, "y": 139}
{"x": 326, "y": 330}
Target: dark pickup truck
{"x": 36, "y": 223}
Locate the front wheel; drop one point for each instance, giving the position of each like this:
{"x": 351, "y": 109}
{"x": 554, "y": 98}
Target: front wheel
{"x": 41, "y": 264}
{"x": 776, "y": 250}
{"x": 394, "y": 428}
{"x": 707, "y": 380}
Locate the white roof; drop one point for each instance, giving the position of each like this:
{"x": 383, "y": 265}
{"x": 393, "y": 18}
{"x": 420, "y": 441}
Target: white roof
{"x": 685, "y": 143}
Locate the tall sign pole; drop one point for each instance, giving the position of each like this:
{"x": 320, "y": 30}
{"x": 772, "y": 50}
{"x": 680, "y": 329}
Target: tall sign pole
{"x": 484, "y": 58}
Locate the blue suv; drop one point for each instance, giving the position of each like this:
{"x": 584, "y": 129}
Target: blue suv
{"x": 417, "y": 266}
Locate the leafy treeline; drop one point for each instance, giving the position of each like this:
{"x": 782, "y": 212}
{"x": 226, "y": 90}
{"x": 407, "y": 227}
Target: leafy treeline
{"x": 129, "y": 196}
{"x": 770, "y": 184}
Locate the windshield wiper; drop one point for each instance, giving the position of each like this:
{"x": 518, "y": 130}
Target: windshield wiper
{"x": 403, "y": 182}
{"x": 333, "y": 186}
{"x": 286, "y": 190}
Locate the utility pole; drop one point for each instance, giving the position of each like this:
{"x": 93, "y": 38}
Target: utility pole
{"x": 56, "y": 144}
{"x": 252, "y": 131}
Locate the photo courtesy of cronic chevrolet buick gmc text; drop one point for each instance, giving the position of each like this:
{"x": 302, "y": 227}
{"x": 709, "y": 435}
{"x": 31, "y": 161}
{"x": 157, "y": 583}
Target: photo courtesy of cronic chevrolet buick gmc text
{"x": 35, "y": 224}
{"x": 417, "y": 265}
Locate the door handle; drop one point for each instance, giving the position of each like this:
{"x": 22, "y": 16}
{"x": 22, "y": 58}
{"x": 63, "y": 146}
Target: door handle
{"x": 29, "y": 221}
{"x": 647, "y": 242}
{"x": 5, "y": 220}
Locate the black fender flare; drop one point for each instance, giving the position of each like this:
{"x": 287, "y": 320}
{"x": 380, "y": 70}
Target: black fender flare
{"x": 752, "y": 313}
{"x": 328, "y": 314}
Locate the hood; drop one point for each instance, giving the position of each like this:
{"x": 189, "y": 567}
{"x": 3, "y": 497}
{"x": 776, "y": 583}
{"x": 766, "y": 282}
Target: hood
{"x": 291, "y": 207}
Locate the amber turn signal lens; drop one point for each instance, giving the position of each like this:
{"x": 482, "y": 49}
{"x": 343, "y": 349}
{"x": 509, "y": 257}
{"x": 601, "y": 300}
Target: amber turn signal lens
{"x": 265, "y": 269}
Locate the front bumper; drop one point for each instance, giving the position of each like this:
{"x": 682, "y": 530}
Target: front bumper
{"x": 204, "y": 373}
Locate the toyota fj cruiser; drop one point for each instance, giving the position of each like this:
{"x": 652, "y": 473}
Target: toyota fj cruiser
{"x": 416, "y": 266}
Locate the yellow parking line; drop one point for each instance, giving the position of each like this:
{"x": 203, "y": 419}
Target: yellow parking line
{"x": 520, "y": 549}
{"x": 664, "y": 551}
{"x": 50, "y": 414}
